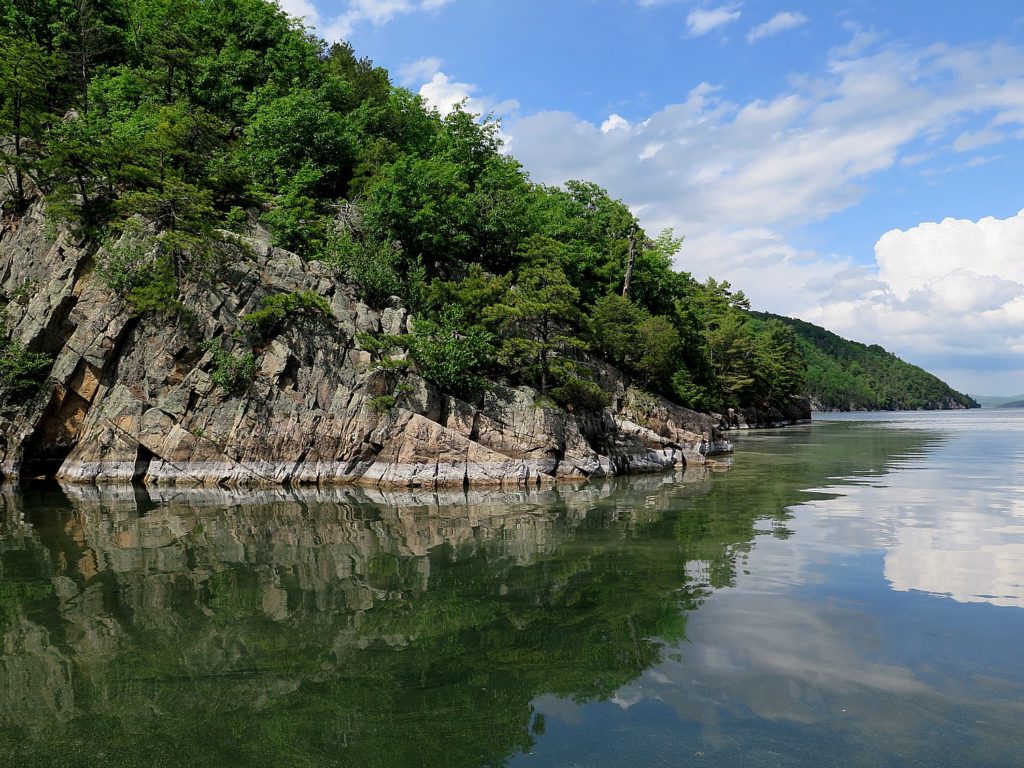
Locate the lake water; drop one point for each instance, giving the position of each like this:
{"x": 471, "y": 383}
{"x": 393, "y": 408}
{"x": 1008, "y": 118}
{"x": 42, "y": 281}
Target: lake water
{"x": 847, "y": 593}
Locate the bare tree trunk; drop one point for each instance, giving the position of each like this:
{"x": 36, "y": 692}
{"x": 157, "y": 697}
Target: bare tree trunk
{"x": 630, "y": 261}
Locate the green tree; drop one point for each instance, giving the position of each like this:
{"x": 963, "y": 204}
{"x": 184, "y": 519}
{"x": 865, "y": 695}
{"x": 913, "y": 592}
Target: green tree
{"x": 658, "y": 359}
{"x": 475, "y": 292}
{"x": 733, "y": 356}
{"x": 779, "y": 365}
{"x": 422, "y": 203}
{"x": 26, "y": 72}
{"x": 614, "y": 324}
{"x": 594, "y": 229}
{"x": 537, "y": 321}
{"x": 451, "y": 352}
{"x": 656, "y": 284}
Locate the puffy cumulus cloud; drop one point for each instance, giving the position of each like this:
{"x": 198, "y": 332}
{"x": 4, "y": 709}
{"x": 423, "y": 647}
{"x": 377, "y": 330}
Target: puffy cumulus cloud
{"x": 701, "y": 21}
{"x": 780, "y": 22}
{"x": 925, "y": 256}
{"x": 949, "y": 295}
{"x": 615, "y": 123}
{"x": 444, "y": 94}
{"x": 301, "y": 9}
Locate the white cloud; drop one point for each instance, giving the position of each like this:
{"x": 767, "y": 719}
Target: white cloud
{"x": 949, "y": 295}
{"x": 419, "y": 71}
{"x": 301, "y": 9}
{"x": 701, "y": 21}
{"x": 741, "y": 179}
{"x": 780, "y": 22}
{"x": 914, "y": 259}
{"x": 969, "y": 140}
{"x": 860, "y": 40}
{"x": 651, "y": 150}
{"x": 615, "y": 123}
{"x": 356, "y": 13}
{"x": 443, "y": 94}
{"x": 795, "y": 158}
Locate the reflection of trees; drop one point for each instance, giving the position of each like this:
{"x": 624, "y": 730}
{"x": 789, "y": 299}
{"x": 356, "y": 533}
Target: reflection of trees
{"x": 349, "y": 627}
{"x": 375, "y": 629}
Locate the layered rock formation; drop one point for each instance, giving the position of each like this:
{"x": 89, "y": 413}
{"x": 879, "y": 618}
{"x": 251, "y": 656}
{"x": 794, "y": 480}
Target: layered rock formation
{"x": 132, "y": 399}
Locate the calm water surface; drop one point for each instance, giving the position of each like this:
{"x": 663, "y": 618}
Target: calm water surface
{"x": 849, "y": 593}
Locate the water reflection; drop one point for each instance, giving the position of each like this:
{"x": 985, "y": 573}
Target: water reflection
{"x": 950, "y": 520}
{"x": 812, "y": 658}
{"x": 348, "y": 626}
{"x": 623, "y": 623}
{"x": 971, "y": 550}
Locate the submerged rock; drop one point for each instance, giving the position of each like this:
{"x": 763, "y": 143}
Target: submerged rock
{"x": 135, "y": 400}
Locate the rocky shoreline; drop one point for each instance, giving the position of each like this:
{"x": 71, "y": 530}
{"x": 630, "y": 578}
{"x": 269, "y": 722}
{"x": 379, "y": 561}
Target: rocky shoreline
{"x": 131, "y": 400}
{"x": 945, "y": 404}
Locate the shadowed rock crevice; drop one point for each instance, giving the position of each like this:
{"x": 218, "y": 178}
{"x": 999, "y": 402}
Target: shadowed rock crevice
{"x": 143, "y": 458}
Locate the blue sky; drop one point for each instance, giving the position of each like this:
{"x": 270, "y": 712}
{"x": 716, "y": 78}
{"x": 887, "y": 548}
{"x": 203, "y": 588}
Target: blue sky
{"x": 857, "y": 164}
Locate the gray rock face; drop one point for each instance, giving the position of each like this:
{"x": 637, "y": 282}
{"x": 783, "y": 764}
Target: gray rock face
{"x": 134, "y": 400}
{"x": 798, "y": 411}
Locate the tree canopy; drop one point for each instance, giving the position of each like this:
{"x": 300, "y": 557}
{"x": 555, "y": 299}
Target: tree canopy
{"x": 203, "y": 115}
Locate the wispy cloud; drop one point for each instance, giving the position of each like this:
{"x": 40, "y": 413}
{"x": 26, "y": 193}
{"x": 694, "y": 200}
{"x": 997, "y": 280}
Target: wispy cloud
{"x": 740, "y": 180}
{"x": 701, "y": 21}
{"x": 780, "y": 22}
{"x": 356, "y": 13}
{"x": 419, "y": 71}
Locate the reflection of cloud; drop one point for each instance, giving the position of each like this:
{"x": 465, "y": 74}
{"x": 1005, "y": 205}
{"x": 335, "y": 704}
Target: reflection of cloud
{"x": 973, "y": 558}
{"x": 808, "y": 637}
{"x": 951, "y": 521}
{"x": 780, "y": 664}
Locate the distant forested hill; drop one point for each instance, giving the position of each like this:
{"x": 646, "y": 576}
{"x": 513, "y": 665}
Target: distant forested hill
{"x": 847, "y": 375}
{"x": 997, "y": 401}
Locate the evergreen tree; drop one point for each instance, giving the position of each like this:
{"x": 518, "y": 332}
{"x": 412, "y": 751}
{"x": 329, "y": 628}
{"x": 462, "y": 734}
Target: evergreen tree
{"x": 538, "y": 320}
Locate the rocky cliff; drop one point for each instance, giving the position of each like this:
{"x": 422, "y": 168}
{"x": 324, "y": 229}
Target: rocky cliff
{"x": 134, "y": 399}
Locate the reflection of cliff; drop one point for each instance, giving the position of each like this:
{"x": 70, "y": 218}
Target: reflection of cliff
{"x": 135, "y": 620}
{"x": 350, "y": 627}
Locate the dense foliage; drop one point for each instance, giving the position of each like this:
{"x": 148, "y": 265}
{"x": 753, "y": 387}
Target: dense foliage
{"x": 845, "y": 375}
{"x": 21, "y": 371}
{"x": 155, "y": 126}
